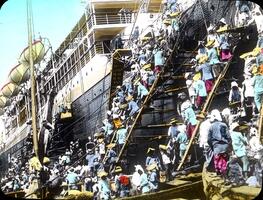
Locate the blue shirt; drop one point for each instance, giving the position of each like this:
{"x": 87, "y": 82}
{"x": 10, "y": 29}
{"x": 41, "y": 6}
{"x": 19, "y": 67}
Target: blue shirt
{"x": 142, "y": 91}
{"x": 200, "y": 89}
{"x": 121, "y": 135}
{"x": 212, "y": 56}
{"x": 144, "y": 183}
{"x": 258, "y": 84}
{"x": 72, "y": 178}
{"x": 182, "y": 140}
{"x": 104, "y": 189}
{"x": 158, "y": 58}
{"x": 133, "y": 106}
{"x": 238, "y": 143}
{"x": 206, "y": 71}
{"x": 189, "y": 116}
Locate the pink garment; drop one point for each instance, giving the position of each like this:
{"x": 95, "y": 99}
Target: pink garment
{"x": 208, "y": 85}
{"x": 189, "y": 130}
{"x": 225, "y": 55}
{"x": 220, "y": 163}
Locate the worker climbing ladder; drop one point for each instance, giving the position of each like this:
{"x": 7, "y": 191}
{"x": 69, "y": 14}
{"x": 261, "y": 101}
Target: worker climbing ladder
{"x": 205, "y": 109}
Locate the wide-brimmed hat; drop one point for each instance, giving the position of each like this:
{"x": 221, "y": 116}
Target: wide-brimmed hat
{"x": 150, "y": 150}
{"x": 46, "y": 160}
{"x": 173, "y": 121}
{"x": 222, "y": 29}
{"x": 174, "y": 14}
{"x": 163, "y": 147}
{"x": 64, "y": 184}
{"x": 111, "y": 145}
{"x": 245, "y": 55}
{"x": 118, "y": 169}
{"x": 167, "y": 21}
{"x": 202, "y": 59}
{"x": 200, "y": 116}
{"x": 136, "y": 81}
{"x": 197, "y": 76}
{"x": 210, "y": 43}
{"x": 129, "y": 98}
{"x": 151, "y": 167}
{"x": 256, "y": 51}
{"x": 99, "y": 135}
{"x": 146, "y": 66}
{"x": 234, "y": 126}
{"x": 102, "y": 173}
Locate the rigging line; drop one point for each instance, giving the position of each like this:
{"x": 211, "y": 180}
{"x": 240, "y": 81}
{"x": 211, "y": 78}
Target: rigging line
{"x": 32, "y": 21}
{"x": 202, "y": 11}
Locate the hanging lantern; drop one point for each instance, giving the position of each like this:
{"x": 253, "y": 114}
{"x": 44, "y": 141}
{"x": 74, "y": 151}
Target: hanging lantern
{"x": 19, "y": 74}
{"x": 38, "y": 52}
{"x": 4, "y": 101}
{"x": 10, "y": 89}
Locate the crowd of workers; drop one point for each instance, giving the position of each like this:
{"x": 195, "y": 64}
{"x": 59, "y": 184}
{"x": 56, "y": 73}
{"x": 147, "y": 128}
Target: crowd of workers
{"x": 228, "y": 138}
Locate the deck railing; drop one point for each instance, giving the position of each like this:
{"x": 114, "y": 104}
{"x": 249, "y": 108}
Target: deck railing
{"x": 109, "y": 18}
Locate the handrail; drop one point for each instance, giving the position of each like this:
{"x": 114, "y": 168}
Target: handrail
{"x": 108, "y": 149}
{"x": 204, "y": 109}
{"x": 109, "y": 18}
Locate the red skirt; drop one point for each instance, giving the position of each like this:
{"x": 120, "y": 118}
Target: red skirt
{"x": 189, "y": 130}
{"x": 220, "y": 163}
{"x": 208, "y": 85}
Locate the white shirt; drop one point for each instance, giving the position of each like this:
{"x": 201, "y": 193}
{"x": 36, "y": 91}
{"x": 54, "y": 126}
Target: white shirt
{"x": 203, "y": 133}
{"x": 136, "y": 179}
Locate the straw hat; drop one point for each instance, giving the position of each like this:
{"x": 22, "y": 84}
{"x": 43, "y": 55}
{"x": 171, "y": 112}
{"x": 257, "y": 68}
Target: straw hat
{"x": 145, "y": 38}
{"x": 234, "y": 126}
{"x": 167, "y": 21}
{"x": 202, "y": 59}
{"x": 163, "y": 147}
{"x": 129, "y": 98}
{"x": 201, "y": 116}
{"x": 111, "y": 145}
{"x": 151, "y": 167}
{"x": 46, "y": 160}
{"x": 222, "y": 29}
{"x": 118, "y": 169}
{"x": 197, "y": 76}
{"x": 256, "y": 51}
{"x": 64, "y": 184}
{"x": 210, "y": 43}
{"x": 136, "y": 81}
{"x": 102, "y": 173}
{"x": 175, "y": 14}
{"x": 245, "y": 55}
{"x": 173, "y": 121}
{"x": 254, "y": 69}
{"x": 150, "y": 150}
{"x": 146, "y": 66}
{"x": 99, "y": 135}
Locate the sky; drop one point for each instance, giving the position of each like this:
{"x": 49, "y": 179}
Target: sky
{"x": 53, "y": 19}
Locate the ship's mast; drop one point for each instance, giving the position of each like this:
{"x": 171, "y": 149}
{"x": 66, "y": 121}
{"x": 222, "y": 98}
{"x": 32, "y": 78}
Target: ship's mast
{"x": 32, "y": 79}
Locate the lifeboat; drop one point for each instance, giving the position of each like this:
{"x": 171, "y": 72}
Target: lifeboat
{"x": 4, "y": 101}
{"x": 10, "y": 89}
{"x": 19, "y": 74}
{"x": 38, "y": 52}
